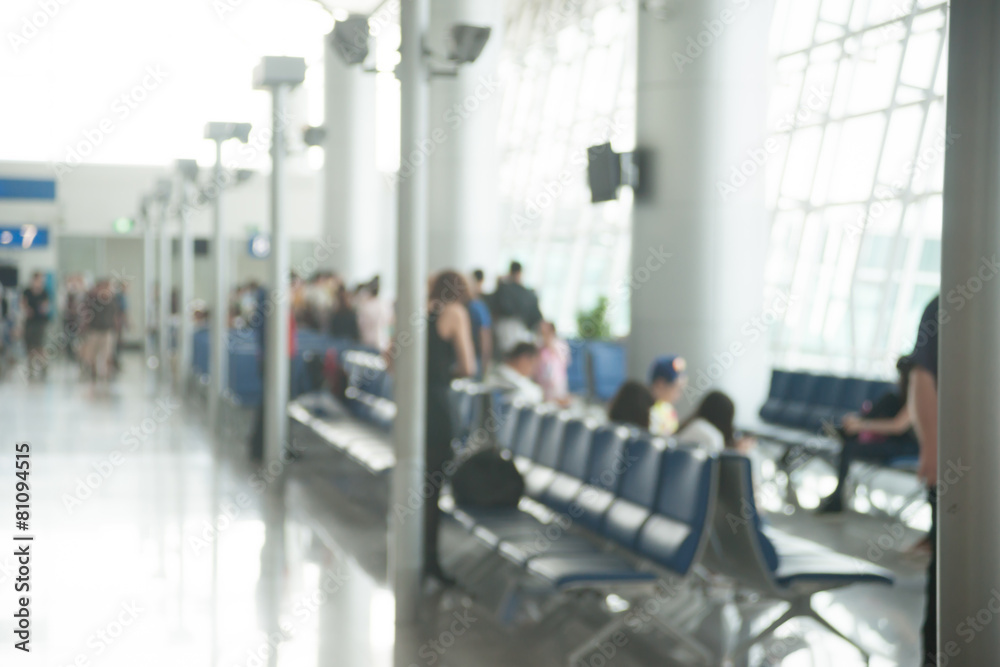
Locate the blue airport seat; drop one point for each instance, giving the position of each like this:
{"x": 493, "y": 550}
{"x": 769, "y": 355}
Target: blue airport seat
{"x": 510, "y": 418}
{"x": 686, "y": 500}
{"x": 776, "y": 396}
{"x": 607, "y": 366}
{"x": 852, "y": 395}
{"x": 639, "y": 485}
{"x": 608, "y": 460}
{"x": 823, "y": 403}
{"x": 546, "y": 455}
{"x": 525, "y": 435}
{"x": 771, "y": 564}
{"x": 676, "y": 533}
{"x": 572, "y": 468}
{"x": 805, "y": 386}
{"x": 577, "y": 370}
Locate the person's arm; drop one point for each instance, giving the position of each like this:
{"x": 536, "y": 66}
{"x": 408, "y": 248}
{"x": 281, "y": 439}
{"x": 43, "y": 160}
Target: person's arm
{"x": 898, "y": 425}
{"x": 454, "y": 326}
{"x": 486, "y": 346}
{"x": 923, "y": 408}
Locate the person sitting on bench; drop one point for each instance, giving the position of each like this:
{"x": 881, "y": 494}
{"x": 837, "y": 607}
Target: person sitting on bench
{"x": 881, "y": 433}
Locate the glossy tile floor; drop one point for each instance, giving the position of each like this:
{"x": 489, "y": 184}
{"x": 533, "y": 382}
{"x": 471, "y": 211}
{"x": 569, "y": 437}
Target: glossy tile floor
{"x": 156, "y": 544}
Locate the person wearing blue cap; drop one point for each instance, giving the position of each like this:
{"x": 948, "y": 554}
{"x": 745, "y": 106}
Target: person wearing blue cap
{"x": 667, "y": 377}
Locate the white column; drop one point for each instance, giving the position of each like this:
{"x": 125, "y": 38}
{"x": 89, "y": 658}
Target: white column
{"x": 352, "y": 184}
{"x": 185, "y": 328}
{"x": 218, "y": 351}
{"x": 698, "y": 114}
{"x": 148, "y": 278}
{"x": 464, "y": 113}
{"x": 276, "y": 377}
{"x": 166, "y": 283}
{"x": 406, "y": 535}
{"x": 969, "y": 431}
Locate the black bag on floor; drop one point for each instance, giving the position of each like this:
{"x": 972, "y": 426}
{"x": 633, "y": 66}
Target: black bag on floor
{"x": 487, "y": 479}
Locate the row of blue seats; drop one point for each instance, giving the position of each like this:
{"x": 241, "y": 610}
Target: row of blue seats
{"x": 642, "y": 502}
{"x": 244, "y": 361}
{"x": 807, "y": 401}
{"x": 369, "y": 388}
{"x": 643, "y": 497}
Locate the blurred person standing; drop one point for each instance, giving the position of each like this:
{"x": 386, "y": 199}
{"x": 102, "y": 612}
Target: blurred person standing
{"x": 36, "y": 305}
{"x": 482, "y": 324}
{"x": 75, "y": 295}
{"x": 121, "y": 320}
{"x": 374, "y": 316}
{"x": 922, "y": 403}
{"x": 450, "y": 355}
{"x": 102, "y": 310}
{"x": 515, "y": 308}
{"x": 343, "y": 320}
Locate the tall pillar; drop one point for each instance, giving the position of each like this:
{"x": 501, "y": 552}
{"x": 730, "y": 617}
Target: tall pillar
{"x": 185, "y": 328}
{"x": 698, "y": 253}
{"x": 352, "y": 182}
{"x": 219, "y": 312}
{"x": 406, "y": 531}
{"x": 463, "y": 154}
{"x": 969, "y": 432}
{"x": 166, "y": 286}
{"x": 148, "y": 278}
{"x": 277, "y": 372}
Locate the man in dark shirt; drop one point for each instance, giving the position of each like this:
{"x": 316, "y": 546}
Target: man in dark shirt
{"x": 102, "y": 312}
{"x": 516, "y": 312}
{"x": 923, "y": 404}
{"x": 35, "y": 303}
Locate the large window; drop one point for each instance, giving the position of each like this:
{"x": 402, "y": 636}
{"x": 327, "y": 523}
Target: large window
{"x": 569, "y": 75}
{"x": 858, "y": 109}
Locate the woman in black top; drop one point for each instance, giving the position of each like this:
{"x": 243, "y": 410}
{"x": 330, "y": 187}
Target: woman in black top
{"x": 344, "y": 321}
{"x": 882, "y": 433}
{"x": 450, "y": 354}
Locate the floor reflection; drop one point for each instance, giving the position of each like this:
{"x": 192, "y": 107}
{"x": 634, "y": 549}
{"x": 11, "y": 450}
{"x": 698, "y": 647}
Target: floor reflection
{"x": 180, "y": 554}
